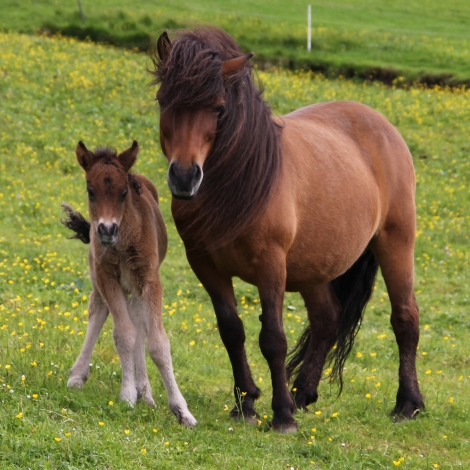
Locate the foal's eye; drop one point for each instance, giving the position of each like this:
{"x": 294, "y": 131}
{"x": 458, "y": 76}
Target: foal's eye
{"x": 218, "y": 109}
{"x": 91, "y": 193}
{"x": 123, "y": 195}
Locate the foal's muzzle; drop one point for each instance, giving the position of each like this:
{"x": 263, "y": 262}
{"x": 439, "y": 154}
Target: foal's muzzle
{"x": 184, "y": 183}
{"x": 107, "y": 233}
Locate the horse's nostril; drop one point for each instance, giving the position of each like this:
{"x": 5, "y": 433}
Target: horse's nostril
{"x": 172, "y": 172}
{"x": 114, "y": 230}
{"x": 101, "y": 229}
{"x": 197, "y": 173}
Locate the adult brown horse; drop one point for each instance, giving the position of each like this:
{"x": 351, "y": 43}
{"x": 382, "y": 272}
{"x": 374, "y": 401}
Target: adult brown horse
{"x": 311, "y": 202}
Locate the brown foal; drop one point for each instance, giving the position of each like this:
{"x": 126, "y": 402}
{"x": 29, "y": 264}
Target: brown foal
{"x": 128, "y": 242}
{"x": 312, "y": 202}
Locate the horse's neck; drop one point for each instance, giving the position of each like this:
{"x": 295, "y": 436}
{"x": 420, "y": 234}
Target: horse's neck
{"x": 131, "y": 222}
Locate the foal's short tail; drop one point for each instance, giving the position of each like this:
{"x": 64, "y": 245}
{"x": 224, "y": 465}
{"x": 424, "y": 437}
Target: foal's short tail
{"x": 353, "y": 290}
{"x": 77, "y": 223}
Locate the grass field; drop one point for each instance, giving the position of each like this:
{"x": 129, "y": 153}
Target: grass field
{"x": 57, "y": 91}
{"x": 382, "y": 40}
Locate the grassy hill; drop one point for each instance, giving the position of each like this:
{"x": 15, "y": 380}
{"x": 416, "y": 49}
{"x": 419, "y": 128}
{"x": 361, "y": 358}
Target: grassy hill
{"x": 57, "y": 91}
{"x": 395, "y": 42}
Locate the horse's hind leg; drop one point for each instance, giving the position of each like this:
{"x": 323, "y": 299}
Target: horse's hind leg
{"x": 159, "y": 350}
{"x": 323, "y": 312}
{"x": 394, "y": 249}
{"x": 97, "y": 314}
{"x": 139, "y": 317}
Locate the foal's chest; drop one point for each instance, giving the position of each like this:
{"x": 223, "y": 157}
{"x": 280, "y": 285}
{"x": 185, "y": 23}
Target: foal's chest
{"x": 125, "y": 279}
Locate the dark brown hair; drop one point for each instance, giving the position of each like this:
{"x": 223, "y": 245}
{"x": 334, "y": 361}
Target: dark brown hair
{"x": 246, "y": 158}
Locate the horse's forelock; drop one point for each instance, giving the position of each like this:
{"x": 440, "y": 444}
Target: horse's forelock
{"x": 190, "y": 76}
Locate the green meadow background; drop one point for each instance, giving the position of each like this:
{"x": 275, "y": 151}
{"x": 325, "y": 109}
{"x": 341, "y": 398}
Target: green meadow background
{"x": 401, "y": 41}
{"x": 56, "y": 90}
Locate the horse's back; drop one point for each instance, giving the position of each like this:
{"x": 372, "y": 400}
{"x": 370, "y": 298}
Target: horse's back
{"x": 352, "y": 140}
{"x": 347, "y": 173}
{"x": 149, "y": 185}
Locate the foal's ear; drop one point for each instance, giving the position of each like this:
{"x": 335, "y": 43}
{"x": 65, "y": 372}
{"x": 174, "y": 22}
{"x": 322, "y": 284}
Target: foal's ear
{"x": 163, "y": 46}
{"x": 231, "y": 66}
{"x": 129, "y": 156}
{"x": 84, "y": 156}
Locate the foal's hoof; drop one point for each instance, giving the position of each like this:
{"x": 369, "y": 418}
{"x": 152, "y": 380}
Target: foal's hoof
{"x": 75, "y": 382}
{"x": 187, "y": 420}
{"x": 289, "y": 427}
{"x": 129, "y": 395}
{"x": 249, "y": 415}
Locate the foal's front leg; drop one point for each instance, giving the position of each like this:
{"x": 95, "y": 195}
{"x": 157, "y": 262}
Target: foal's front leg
{"x": 97, "y": 314}
{"x": 272, "y": 339}
{"x": 140, "y": 318}
{"x": 124, "y": 335}
{"x": 159, "y": 350}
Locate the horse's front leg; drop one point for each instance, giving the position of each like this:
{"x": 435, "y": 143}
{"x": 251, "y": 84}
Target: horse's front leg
{"x": 271, "y": 285}
{"x": 232, "y": 333}
{"x": 97, "y": 314}
{"x": 124, "y": 334}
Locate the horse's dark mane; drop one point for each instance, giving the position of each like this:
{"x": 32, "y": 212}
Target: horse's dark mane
{"x": 108, "y": 156}
{"x": 246, "y": 158}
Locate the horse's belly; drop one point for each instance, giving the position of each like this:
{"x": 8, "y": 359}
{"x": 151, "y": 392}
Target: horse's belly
{"x": 325, "y": 246}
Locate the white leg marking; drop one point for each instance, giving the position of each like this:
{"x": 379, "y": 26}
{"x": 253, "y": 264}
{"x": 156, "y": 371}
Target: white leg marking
{"x": 159, "y": 350}
{"x": 139, "y": 317}
{"x": 97, "y": 314}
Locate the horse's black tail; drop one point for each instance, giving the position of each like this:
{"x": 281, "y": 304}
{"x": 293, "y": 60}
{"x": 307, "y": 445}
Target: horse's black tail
{"x": 77, "y": 223}
{"x": 353, "y": 290}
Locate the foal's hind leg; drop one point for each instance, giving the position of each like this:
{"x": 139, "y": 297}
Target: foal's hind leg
{"x": 394, "y": 252}
{"x": 97, "y": 314}
{"x": 139, "y": 316}
{"x": 159, "y": 350}
{"x": 323, "y": 312}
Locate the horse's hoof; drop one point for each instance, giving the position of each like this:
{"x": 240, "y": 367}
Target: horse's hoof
{"x": 303, "y": 399}
{"x": 290, "y": 427}
{"x": 407, "y": 410}
{"x": 250, "y": 416}
{"x": 401, "y": 417}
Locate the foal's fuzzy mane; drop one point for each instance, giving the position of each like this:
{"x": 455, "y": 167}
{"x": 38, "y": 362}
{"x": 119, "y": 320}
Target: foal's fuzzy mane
{"x": 108, "y": 156}
{"x": 246, "y": 158}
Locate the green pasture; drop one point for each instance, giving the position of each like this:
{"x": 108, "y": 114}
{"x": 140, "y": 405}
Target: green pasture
{"x": 55, "y": 92}
{"x": 399, "y": 41}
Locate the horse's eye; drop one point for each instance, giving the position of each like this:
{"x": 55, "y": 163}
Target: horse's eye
{"x": 91, "y": 193}
{"x": 123, "y": 195}
{"x": 218, "y": 109}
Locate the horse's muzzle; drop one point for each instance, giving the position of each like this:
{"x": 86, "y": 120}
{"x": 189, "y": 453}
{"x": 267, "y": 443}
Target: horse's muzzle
{"x": 107, "y": 234}
{"x": 184, "y": 183}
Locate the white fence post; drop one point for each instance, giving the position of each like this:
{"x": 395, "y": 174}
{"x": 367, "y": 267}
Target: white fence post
{"x": 309, "y": 28}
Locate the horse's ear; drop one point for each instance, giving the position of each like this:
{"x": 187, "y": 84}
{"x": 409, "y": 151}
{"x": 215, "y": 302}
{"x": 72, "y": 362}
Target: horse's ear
{"x": 129, "y": 156}
{"x": 231, "y": 66}
{"x": 84, "y": 156}
{"x": 163, "y": 46}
